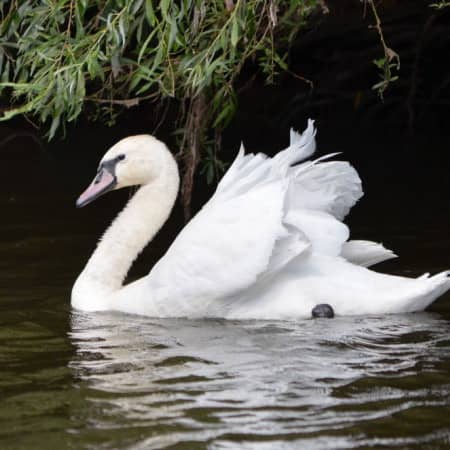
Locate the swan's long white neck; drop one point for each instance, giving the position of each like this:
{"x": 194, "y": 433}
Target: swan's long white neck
{"x": 130, "y": 232}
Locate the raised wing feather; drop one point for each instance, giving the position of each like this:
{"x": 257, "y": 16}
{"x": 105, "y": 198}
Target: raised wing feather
{"x": 254, "y": 225}
{"x": 249, "y": 170}
{"x": 333, "y": 187}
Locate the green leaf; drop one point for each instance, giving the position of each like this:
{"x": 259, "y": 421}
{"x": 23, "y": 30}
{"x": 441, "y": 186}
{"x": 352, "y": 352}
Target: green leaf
{"x": 234, "y": 33}
{"x": 54, "y": 126}
{"x": 136, "y": 6}
{"x": 164, "y": 5}
{"x": 224, "y": 116}
{"x": 380, "y": 63}
{"x": 150, "y": 12}
{"x": 145, "y": 45}
{"x": 210, "y": 173}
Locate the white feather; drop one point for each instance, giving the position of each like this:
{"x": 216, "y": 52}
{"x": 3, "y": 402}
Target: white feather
{"x": 366, "y": 253}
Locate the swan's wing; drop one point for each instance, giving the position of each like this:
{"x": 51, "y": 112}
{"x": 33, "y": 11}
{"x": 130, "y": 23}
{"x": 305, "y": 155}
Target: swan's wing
{"x": 333, "y": 187}
{"x": 241, "y": 235}
{"x": 365, "y": 253}
{"x": 228, "y": 246}
{"x": 247, "y": 232}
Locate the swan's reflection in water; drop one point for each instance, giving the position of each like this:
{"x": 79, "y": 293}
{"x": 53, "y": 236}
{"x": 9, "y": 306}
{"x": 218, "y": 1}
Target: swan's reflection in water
{"x": 342, "y": 383}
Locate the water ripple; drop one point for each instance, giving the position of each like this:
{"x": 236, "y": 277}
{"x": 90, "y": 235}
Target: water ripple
{"x": 218, "y": 384}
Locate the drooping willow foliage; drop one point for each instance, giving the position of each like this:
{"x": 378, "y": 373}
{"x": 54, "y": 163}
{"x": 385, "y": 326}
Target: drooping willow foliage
{"x": 56, "y": 55}
{"x": 441, "y": 4}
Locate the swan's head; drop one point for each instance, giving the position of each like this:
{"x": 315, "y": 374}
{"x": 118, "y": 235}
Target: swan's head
{"x": 135, "y": 160}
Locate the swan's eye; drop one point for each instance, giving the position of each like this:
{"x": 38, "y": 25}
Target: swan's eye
{"x": 120, "y": 157}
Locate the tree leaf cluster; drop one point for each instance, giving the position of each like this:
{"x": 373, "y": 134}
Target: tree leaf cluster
{"x": 56, "y": 55}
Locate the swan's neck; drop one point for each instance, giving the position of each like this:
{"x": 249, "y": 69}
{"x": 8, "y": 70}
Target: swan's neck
{"x": 127, "y": 236}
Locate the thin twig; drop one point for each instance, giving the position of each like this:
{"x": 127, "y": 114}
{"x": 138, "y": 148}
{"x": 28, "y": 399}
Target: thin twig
{"x": 127, "y": 102}
{"x": 389, "y": 54}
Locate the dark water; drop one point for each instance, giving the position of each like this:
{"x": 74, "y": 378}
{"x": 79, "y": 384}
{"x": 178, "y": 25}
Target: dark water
{"x": 110, "y": 381}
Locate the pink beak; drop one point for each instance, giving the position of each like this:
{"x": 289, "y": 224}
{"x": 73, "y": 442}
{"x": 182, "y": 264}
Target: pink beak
{"x": 104, "y": 182}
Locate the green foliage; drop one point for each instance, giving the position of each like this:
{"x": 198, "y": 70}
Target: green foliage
{"x": 387, "y": 65}
{"x": 212, "y": 166}
{"x": 440, "y": 5}
{"x": 55, "y": 55}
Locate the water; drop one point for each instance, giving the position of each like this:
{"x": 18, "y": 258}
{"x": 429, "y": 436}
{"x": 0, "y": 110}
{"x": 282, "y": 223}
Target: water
{"x": 111, "y": 381}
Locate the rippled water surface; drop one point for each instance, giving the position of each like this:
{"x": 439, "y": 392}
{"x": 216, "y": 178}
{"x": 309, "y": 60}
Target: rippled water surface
{"x": 111, "y": 381}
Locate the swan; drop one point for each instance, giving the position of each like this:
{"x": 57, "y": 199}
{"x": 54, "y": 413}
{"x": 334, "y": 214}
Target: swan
{"x": 269, "y": 244}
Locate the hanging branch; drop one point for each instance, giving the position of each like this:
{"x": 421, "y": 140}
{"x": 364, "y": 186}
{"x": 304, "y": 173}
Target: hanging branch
{"x": 389, "y": 62}
{"x": 194, "y": 137}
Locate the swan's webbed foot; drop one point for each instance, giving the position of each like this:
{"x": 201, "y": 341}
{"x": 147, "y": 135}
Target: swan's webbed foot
{"x": 324, "y": 310}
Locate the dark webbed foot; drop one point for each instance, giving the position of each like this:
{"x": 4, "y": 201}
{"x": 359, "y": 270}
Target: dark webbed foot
{"x": 323, "y": 310}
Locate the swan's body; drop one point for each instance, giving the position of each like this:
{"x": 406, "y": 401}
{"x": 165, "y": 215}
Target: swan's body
{"x": 270, "y": 243}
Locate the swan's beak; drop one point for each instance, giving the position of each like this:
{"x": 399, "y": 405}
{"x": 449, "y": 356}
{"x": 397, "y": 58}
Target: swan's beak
{"x": 103, "y": 182}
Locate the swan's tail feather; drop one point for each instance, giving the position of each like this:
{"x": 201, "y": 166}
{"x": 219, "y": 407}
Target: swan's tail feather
{"x": 366, "y": 253}
{"x": 433, "y": 287}
{"x": 425, "y": 276}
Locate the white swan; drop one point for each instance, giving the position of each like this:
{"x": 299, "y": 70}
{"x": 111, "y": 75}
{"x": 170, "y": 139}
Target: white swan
{"x": 269, "y": 244}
